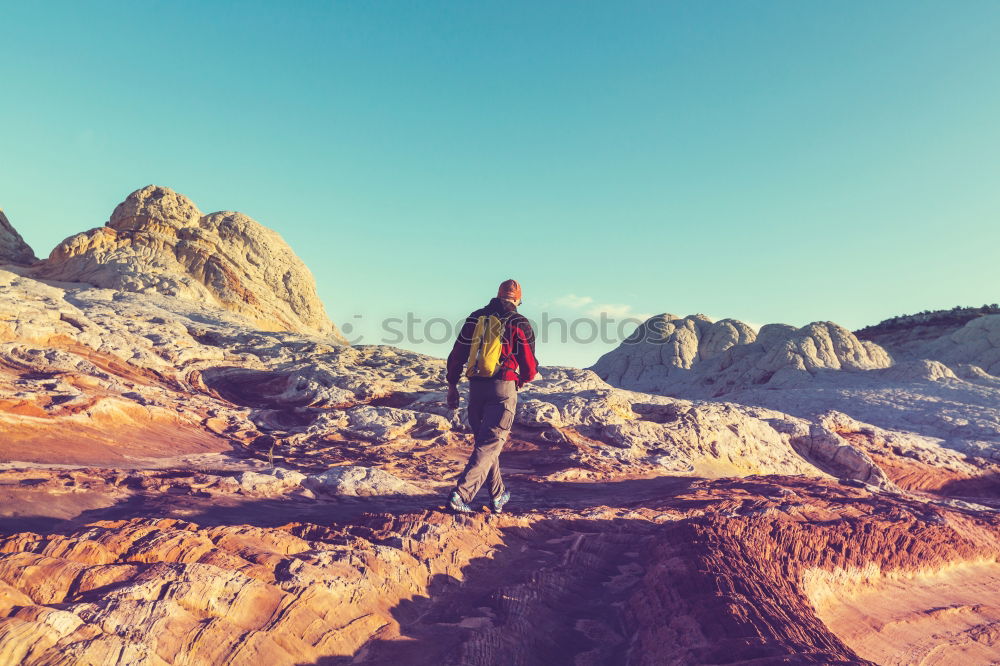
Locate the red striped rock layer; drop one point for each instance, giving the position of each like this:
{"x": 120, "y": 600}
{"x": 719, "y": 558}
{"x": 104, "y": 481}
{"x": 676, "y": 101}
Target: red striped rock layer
{"x": 721, "y": 572}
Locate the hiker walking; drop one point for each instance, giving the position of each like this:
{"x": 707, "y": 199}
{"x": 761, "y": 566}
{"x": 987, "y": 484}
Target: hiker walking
{"x": 497, "y": 347}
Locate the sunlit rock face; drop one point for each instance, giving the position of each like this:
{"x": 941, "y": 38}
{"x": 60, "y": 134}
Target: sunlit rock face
{"x": 13, "y": 249}
{"x": 181, "y": 483}
{"x": 157, "y": 241}
{"x": 966, "y": 339}
{"x": 695, "y": 356}
{"x": 941, "y": 391}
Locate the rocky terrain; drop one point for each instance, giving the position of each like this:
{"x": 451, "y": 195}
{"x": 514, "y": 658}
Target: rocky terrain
{"x": 12, "y": 246}
{"x": 157, "y": 241}
{"x": 905, "y": 335}
{"x": 197, "y": 469}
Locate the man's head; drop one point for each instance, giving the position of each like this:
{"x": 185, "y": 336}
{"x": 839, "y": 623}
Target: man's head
{"x": 510, "y": 290}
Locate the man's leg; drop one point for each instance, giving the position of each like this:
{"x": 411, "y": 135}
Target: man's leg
{"x": 497, "y": 419}
{"x": 479, "y": 393}
{"x": 474, "y": 412}
{"x": 508, "y": 394}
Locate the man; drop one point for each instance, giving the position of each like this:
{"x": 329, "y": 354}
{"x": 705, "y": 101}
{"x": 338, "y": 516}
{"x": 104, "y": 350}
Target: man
{"x": 498, "y": 346}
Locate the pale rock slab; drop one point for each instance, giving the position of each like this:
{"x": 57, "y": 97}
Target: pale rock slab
{"x": 358, "y": 481}
{"x": 274, "y": 481}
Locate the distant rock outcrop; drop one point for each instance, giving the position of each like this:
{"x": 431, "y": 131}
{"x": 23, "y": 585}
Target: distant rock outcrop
{"x": 157, "y": 241}
{"x": 13, "y": 249}
{"x": 905, "y": 335}
{"x": 977, "y": 344}
{"x": 695, "y": 356}
{"x": 967, "y": 339}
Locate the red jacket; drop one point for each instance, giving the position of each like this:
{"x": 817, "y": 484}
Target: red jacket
{"x": 517, "y": 350}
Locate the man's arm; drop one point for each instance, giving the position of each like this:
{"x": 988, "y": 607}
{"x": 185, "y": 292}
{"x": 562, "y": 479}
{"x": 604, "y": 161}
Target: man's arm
{"x": 457, "y": 359}
{"x": 524, "y": 352}
{"x": 460, "y": 351}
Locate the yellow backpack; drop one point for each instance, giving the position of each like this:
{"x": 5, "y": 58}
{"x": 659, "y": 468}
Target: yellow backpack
{"x": 487, "y": 343}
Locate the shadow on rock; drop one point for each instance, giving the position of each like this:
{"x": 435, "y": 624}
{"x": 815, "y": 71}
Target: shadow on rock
{"x": 617, "y": 591}
{"x": 980, "y": 487}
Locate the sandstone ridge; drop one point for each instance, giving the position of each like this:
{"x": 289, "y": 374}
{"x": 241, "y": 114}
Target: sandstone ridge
{"x": 157, "y": 241}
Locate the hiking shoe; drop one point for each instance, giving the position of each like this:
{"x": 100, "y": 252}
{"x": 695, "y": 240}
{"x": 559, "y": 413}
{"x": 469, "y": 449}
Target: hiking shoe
{"x": 497, "y": 502}
{"x": 457, "y": 504}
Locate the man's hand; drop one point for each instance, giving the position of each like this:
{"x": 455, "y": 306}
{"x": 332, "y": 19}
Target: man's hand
{"x": 452, "y": 397}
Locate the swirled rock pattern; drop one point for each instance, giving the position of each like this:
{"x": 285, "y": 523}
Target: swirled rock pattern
{"x": 730, "y": 571}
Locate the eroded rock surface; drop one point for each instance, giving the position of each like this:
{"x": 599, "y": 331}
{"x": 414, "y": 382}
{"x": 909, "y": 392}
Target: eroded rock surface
{"x": 939, "y": 394}
{"x": 180, "y": 486}
{"x": 157, "y": 241}
{"x": 723, "y": 571}
{"x": 695, "y": 356}
{"x": 975, "y": 344}
{"x": 13, "y": 249}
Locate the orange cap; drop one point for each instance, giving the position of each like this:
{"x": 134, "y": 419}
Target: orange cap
{"x": 509, "y": 290}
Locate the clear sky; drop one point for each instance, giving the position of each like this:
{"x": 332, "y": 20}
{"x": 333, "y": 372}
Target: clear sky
{"x": 770, "y": 161}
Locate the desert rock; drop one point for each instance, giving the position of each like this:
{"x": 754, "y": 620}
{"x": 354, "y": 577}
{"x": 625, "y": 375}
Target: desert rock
{"x": 977, "y": 343}
{"x": 694, "y": 356}
{"x": 13, "y": 249}
{"x": 180, "y": 485}
{"x": 157, "y": 241}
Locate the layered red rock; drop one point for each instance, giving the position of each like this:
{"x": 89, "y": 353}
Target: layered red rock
{"x": 725, "y": 571}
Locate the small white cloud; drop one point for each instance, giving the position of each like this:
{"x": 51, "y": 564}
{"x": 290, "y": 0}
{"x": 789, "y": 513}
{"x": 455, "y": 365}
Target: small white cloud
{"x": 574, "y": 301}
{"x": 614, "y": 310}
{"x": 617, "y": 311}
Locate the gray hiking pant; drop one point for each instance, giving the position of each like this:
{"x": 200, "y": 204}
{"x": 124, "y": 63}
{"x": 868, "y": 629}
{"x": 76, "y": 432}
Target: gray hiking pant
{"x": 491, "y": 414}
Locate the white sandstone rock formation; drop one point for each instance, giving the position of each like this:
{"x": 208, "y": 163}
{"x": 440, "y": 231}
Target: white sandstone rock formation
{"x": 693, "y": 356}
{"x": 275, "y": 481}
{"x": 13, "y": 249}
{"x": 942, "y": 394}
{"x": 665, "y": 349}
{"x": 158, "y": 242}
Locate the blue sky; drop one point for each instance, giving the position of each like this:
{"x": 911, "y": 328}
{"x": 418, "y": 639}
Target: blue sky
{"x": 768, "y": 161}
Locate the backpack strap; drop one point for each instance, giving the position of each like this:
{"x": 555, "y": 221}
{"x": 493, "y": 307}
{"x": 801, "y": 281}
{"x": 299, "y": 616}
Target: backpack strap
{"x": 505, "y": 322}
